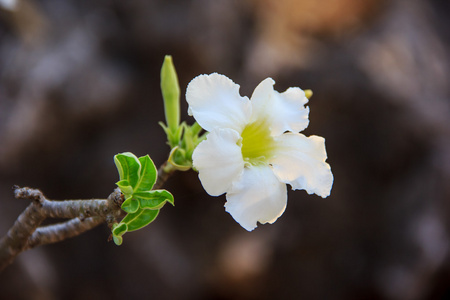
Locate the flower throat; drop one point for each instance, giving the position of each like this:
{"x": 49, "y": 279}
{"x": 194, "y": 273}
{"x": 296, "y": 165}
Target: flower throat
{"x": 257, "y": 143}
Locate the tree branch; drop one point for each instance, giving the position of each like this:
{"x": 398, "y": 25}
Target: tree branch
{"x": 16, "y": 239}
{"x": 59, "y": 232}
{"x": 83, "y": 215}
{"x": 74, "y": 208}
{"x": 164, "y": 172}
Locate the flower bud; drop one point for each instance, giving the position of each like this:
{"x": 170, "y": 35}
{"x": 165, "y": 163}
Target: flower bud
{"x": 171, "y": 94}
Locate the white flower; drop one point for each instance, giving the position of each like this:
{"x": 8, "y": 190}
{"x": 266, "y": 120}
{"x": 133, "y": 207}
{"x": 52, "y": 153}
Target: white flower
{"x": 253, "y": 148}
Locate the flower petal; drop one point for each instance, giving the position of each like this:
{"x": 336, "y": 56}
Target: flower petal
{"x": 257, "y": 196}
{"x": 285, "y": 111}
{"x": 219, "y": 161}
{"x": 300, "y": 162}
{"x": 214, "y": 101}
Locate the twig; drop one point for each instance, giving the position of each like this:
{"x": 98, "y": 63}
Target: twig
{"x": 59, "y": 232}
{"x": 83, "y": 215}
{"x": 164, "y": 172}
{"x": 16, "y": 239}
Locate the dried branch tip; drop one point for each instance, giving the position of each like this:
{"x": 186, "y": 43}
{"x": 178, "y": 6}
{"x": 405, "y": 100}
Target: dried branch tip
{"x": 28, "y": 194}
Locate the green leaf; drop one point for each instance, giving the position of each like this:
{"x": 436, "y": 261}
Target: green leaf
{"x": 130, "y": 205}
{"x": 195, "y": 129}
{"x": 117, "y": 240}
{"x": 129, "y": 168}
{"x": 177, "y": 159}
{"x": 119, "y": 229}
{"x": 173, "y": 137}
{"x": 139, "y": 219}
{"x": 137, "y": 177}
{"x": 125, "y": 187}
{"x": 136, "y": 174}
{"x": 154, "y": 199}
{"x": 147, "y": 175}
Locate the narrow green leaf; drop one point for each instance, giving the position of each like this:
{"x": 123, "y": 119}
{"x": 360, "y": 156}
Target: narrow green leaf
{"x": 164, "y": 127}
{"x": 179, "y": 132}
{"x": 139, "y": 219}
{"x": 130, "y": 205}
{"x": 128, "y": 166}
{"x": 147, "y": 175}
{"x": 196, "y": 128}
{"x": 173, "y": 137}
{"x": 154, "y": 199}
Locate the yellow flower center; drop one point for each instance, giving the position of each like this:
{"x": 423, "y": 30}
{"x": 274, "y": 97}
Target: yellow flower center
{"x": 257, "y": 143}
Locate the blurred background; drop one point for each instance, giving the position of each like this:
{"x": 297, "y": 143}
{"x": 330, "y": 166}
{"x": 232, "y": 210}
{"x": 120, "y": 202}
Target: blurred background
{"x": 79, "y": 82}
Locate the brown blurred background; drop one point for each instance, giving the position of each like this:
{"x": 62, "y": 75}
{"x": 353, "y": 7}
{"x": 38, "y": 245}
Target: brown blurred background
{"x": 79, "y": 82}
